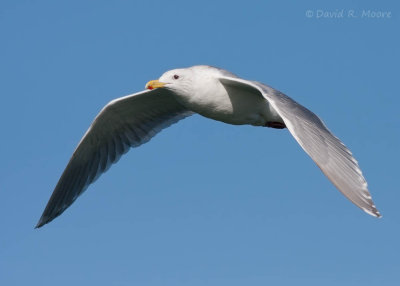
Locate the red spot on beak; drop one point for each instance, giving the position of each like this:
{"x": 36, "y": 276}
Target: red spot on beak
{"x": 150, "y": 87}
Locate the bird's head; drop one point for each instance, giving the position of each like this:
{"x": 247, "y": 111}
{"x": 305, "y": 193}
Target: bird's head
{"x": 186, "y": 81}
{"x": 177, "y": 80}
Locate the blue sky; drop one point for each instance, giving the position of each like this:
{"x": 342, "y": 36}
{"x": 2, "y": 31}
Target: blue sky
{"x": 203, "y": 203}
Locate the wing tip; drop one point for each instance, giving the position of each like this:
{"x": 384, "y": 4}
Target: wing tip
{"x": 373, "y": 211}
{"x": 40, "y": 223}
{"x": 43, "y": 220}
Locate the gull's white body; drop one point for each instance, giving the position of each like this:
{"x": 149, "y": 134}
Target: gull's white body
{"x": 214, "y": 93}
{"x": 210, "y": 98}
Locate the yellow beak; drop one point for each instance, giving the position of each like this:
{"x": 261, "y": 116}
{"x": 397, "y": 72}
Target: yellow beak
{"x": 154, "y": 84}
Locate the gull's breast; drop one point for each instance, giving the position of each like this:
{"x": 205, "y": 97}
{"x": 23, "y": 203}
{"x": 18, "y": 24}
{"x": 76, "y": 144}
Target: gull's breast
{"x": 231, "y": 106}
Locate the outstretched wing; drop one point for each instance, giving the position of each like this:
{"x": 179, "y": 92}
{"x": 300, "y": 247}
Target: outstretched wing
{"x": 327, "y": 151}
{"x": 123, "y": 123}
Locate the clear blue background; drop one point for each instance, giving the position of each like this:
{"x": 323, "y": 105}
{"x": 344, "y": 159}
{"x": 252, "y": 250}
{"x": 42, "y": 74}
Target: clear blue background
{"x": 203, "y": 203}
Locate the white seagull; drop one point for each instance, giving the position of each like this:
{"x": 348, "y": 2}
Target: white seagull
{"x": 215, "y": 93}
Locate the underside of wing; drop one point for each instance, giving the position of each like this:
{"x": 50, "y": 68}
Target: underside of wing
{"x": 123, "y": 123}
{"x": 328, "y": 152}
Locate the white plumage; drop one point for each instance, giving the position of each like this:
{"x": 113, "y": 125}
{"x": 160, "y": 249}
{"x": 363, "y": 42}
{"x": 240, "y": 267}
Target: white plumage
{"x": 214, "y": 93}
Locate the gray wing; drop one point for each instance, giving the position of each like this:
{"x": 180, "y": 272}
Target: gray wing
{"x": 327, "y": 151}
{"x": 123, "y": 123}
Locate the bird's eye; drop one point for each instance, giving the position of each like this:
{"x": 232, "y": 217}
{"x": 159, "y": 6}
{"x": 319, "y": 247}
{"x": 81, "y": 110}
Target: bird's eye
{"x": 176, "y": 76}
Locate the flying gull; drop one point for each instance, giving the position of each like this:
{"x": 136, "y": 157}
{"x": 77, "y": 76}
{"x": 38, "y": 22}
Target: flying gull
{"x": 214, "y": 93}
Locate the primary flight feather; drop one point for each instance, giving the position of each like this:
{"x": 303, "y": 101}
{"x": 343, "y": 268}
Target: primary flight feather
{"x": 214, "y": 93}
